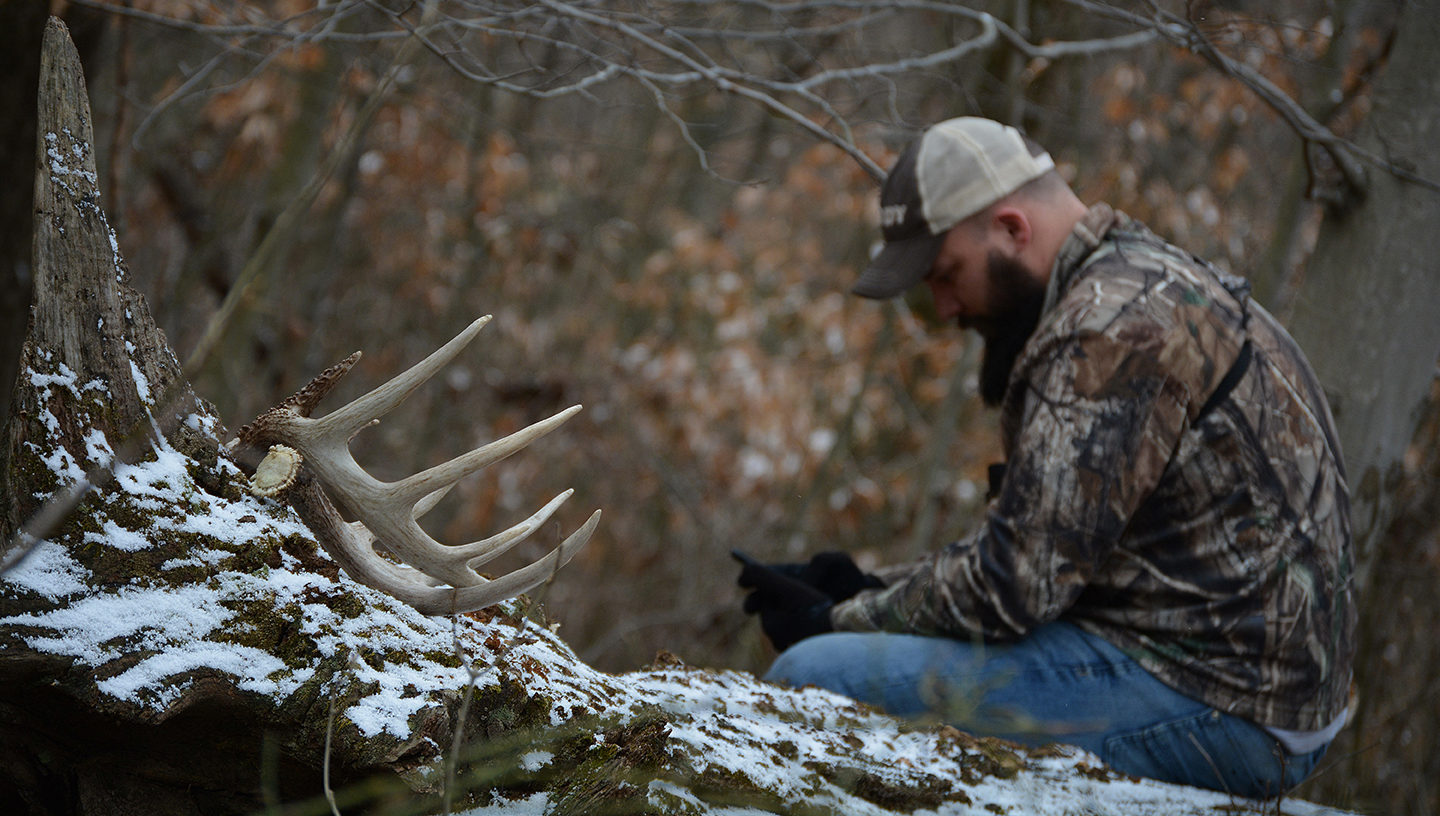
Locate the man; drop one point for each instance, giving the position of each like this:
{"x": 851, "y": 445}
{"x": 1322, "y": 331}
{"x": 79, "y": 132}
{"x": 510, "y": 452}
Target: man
{"x": 1163, "y": 573}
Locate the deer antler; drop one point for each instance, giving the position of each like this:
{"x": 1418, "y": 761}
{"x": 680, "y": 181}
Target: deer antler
{"x": 387, "y": 511}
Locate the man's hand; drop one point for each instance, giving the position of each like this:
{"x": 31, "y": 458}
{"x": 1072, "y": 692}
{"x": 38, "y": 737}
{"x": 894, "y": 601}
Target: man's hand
{"x": 833, "y": 573}
{"x": 836, "y": 575}
{"x": 790, "y": 610}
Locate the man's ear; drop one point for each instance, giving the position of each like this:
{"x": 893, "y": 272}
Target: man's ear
{"x": 1012, "y": 226}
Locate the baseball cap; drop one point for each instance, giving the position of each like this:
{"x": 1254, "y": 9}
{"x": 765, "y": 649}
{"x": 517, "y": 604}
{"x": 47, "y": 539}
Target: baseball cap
{"x": 955, "y": 169}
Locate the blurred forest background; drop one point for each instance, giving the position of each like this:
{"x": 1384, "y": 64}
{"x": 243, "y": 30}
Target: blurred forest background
{"x": 673, "y": 251}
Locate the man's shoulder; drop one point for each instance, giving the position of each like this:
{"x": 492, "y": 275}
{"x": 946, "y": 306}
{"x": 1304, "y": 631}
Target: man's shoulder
{"x": 1134, "y": 277}
{"x": 1137, "y": 304}
{"x": 1130, "y": 251}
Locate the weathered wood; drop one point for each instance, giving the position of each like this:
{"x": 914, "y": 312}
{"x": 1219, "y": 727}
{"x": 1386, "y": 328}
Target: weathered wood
{"x": 85, "y": 319}
{"x": 82, "y": 313}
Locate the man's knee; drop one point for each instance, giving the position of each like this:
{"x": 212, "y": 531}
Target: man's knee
{"x": 814, "y": 661}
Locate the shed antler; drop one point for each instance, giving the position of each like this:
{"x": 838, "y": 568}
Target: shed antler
{"x": 387, "y": 511}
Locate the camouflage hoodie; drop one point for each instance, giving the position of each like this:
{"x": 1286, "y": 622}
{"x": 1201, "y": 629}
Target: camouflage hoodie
{"x": 1212, "y": 546}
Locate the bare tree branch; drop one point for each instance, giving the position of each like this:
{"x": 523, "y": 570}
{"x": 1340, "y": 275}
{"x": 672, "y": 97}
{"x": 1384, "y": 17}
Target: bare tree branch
{"x": 1179, "y": 31}
{"x": 664, "y": 49}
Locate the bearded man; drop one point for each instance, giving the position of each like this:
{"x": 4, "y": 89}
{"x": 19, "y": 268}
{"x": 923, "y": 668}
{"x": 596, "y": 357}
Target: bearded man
{"x": 1163, "y": 574}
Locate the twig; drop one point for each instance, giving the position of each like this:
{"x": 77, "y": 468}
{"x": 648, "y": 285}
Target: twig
{"x": 325, "y": 772}
{"x": 1219, "y": 777}
{"x": 608, "y": 42}
{"x": 458, "y": 742}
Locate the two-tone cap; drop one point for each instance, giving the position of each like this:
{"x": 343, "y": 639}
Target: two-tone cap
{"x": 955, "y": 169}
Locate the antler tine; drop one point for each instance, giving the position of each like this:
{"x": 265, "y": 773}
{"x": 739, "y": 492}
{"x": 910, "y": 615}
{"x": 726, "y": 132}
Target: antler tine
{"x": 428, "y": 503}
{"x": 511, "y": 584}
{"x": 303, "y": 402}
{"x": 414, "y": 488}
{"x": 478, "y": 552}
{"x": 347, "y": 421}
{"x": 350, "y": 546}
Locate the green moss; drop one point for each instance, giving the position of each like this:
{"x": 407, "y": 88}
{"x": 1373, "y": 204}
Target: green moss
{"x": 257, "y": 557}
{"x": 597, "y": 765}
{"x": 35, "y": 477}
{"x": 502, "y": 708}
{"x": 313, "y": 696}
{"x": 442, "y": 657}
{"x": 262, "y": 626}
{"x": 600, "y": 787}
{"x": 347, "y": 605}
{"x": 302, "y": 549}
{"x": 989, "y": 756}
{"x": 905, "y": 798}
{"x": 643, "y": 740}
{"x": 726, "y": 787}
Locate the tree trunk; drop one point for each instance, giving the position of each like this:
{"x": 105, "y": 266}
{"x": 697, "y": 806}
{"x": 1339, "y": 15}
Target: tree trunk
{"x": 1367, "y": 318}
{"x": 22, "y": 27}
{"x": 1367, "y": 314}
{"x": 101, "y": 391}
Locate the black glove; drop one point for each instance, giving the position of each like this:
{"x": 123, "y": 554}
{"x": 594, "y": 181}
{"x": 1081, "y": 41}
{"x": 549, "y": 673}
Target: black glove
{"x": 790, "y": 610}
{"x": 835, "y": 574}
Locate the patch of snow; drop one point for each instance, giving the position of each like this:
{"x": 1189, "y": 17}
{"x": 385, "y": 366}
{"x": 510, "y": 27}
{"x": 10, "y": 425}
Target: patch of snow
{"x": 251, "y": 668}
{"x": 49, "y": 570}
{"x": 142, "y": 385}
{"x": 97, "y": 448}
{"x": 113, "y": 535}
{"x": 534, "y": 805}
{"x": 64, "y": 377}
{"x": 103, "y": 627}
{"x": 57, "y": 459}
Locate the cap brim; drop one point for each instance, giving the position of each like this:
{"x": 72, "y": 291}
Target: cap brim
{"x": 899, "y": 266}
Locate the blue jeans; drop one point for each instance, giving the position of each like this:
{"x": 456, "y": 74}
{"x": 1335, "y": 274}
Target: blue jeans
{"x": 1059, "y": 684}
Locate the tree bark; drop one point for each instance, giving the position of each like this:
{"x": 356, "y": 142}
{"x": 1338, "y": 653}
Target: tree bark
{"x": 1367, "y": 318}
{"x": 22, "y": 28}
{"x": 1367, "y": 314}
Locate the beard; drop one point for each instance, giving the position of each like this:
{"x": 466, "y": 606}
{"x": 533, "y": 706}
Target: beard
{"x": 1016, "y": 302}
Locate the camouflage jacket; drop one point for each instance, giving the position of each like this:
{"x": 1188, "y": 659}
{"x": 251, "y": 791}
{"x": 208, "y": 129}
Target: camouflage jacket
{"x": 1211, "y": 546}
